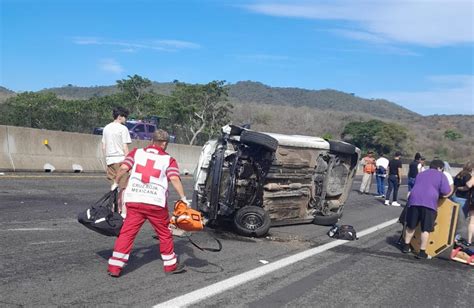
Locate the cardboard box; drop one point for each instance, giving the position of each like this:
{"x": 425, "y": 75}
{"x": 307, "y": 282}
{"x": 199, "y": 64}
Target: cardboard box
{"x": 445, "y": 228}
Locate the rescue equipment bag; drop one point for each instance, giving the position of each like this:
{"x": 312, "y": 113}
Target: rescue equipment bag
{"x": 186, "y": 218}
{"x": 344, "y": 232}
{"x": 103, "y": 216}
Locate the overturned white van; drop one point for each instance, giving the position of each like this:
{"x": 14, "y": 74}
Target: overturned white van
{"x": 256, "y": 180}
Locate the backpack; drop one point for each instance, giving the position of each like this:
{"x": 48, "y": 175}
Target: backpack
{"x": 369, "y": 166}
{"x": 344, "y": 232}
{"x": 103, "y": 216}
{"x": 381, "y": 170}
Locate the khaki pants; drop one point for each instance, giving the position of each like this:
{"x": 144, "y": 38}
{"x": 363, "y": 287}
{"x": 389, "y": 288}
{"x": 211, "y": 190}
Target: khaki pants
{"x": 366, "y": 182}
{"x": 111, "y": 174}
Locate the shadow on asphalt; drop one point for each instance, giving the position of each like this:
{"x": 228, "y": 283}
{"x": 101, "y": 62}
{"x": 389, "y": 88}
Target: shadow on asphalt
{"x": 396, "y": 239}
{"x": 141, "y": 256}
{"x": 359, "y": 253}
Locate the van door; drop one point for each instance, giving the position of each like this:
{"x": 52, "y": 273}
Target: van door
{"x": 150, "y": 131}
{"x": 139, "y": 131}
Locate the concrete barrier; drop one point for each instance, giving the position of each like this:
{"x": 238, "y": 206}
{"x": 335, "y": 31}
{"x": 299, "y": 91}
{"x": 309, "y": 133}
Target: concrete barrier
{"x": 5, "y": 159}
{"x": 24, "y": 149}
{"x": 29, "y": 149}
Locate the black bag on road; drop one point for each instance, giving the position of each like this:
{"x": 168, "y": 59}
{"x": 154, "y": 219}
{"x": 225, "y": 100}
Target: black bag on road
{"x": 103, "y": 216}
{"x": 344, "y": 232}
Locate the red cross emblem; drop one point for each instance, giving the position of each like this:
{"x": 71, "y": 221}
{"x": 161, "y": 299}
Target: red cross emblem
{"x": 148, "y": 171}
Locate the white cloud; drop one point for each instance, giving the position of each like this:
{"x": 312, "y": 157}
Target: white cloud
{"x": 110, "y": 66}
{"x": 361, "y": 36}
{"x": 86, "y": 40}
{"x": 420, "y": 22}
{"x": 449, "y": 94}
{"x": 263, "y": 57}
{"x": 133, "y": 46}
{"x": 377, "y": 42}
{"x": 128, "y": 50}
{"x": 177, "y": 44}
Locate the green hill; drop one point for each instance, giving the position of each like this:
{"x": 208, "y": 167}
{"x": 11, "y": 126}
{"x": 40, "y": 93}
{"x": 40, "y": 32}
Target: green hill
{"x": 75, "y": 92}
{"x": 5, "y": 93}
{"x": 255, "y": 92}
{"x": 246, "y": 92}
{"x": 318, "y": 113}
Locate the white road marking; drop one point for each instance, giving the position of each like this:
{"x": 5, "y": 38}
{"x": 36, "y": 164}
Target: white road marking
{"x": 53, "y": 177}
{"x": 49, "y": 221}
{"x": 30, "y": 229}
{"x": 232, "y": 282}
{"x": 49, "y": 242}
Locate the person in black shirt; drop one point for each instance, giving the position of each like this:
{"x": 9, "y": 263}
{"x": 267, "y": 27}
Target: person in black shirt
{"x": 413, "y": 170}
{"x": 462, "y": 191}
{"x": 461, "y": 195}
{"x": 394, "y": 179}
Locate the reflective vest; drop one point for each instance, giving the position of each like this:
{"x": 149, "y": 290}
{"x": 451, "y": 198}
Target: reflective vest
{"x": 148, "y": 182}
{"x": 369, "y": 166}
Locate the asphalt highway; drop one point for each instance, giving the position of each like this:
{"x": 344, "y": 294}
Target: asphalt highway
{"x": 48, "y": 259}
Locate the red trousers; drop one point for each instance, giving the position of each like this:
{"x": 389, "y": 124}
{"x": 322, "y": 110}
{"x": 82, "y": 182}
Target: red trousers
{"x": 137, "y": 213}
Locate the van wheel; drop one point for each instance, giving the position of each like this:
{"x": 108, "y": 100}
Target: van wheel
{"x": 252, "y": 221}
{"x": 265, "y": 141}
{"x": 326, "y": 220}
{"x": 341, "y": 147}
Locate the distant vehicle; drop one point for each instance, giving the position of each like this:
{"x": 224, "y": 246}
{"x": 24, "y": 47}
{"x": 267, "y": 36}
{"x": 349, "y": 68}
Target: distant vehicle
{"x": 140, "y": 130}
{"x": 98, "y": 131}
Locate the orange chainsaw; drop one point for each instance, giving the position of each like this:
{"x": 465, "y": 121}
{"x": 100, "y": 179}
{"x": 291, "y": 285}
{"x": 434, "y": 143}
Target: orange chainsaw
{"x": 186, "y": 218}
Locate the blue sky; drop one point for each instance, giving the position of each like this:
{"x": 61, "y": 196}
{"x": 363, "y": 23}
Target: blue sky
{"x": 418, "y": 54}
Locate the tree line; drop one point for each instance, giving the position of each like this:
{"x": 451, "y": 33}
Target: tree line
{"x": 193, "y": 113}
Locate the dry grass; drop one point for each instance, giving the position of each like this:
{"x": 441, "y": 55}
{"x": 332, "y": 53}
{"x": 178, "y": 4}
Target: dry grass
{"x": 426, "y": 133}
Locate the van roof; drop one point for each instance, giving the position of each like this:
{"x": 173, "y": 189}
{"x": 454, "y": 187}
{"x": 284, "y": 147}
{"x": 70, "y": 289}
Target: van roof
{"x": 300, "y": 141}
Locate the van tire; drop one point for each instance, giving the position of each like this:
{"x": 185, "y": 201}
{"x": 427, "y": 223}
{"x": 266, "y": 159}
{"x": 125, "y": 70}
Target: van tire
{"x": 255, "y": 138}
{"x": 341, "y": 147}
{"x": 326, "y": 220}
{"x": 252, "y": 221}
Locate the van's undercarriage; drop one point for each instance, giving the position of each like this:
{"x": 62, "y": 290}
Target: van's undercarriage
{"x": 256, "y": 182}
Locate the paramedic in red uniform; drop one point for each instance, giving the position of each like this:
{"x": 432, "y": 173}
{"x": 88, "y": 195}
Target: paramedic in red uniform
{"x": 146, "y": 199}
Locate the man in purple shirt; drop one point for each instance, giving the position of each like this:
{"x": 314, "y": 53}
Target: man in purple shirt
{"x": 423, "y": 204}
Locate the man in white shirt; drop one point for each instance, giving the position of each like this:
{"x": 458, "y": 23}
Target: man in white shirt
{"x": 447, "y": 173}
{"x": 381, "y": 165}
{"x": 115, "y": 140}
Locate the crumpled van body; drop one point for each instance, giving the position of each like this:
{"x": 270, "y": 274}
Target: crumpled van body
{"x": 255, "y": 180}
